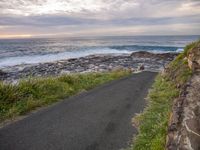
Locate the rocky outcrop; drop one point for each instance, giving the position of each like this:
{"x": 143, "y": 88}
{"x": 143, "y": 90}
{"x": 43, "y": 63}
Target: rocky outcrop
{"x": 184, "y": 126}
{"x": 144, "y": 54}
{"x": 194, "y": 58}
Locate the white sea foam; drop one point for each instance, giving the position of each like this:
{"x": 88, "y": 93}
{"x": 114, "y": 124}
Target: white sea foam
{"x": 34, "y": 59}
{"x": 179, "y": 50}
{"x": 160, "y": 51}
{"x": 11, "y": 61}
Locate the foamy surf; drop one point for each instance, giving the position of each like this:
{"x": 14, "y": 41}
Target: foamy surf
{"x": 34, "y": 59}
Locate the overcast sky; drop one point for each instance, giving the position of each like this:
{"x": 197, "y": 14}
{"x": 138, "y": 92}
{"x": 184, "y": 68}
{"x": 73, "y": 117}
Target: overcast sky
{"x": 30, "y": 18}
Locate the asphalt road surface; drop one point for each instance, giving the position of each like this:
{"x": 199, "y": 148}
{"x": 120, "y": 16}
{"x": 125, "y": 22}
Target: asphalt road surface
{"x": 96, "y": 120}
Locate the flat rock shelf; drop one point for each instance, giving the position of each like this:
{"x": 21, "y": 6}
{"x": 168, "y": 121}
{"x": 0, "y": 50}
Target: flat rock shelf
{"x": 92, "y": 63}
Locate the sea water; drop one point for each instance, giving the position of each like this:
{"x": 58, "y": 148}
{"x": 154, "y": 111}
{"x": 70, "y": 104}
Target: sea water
{"x": 39, "y": 50}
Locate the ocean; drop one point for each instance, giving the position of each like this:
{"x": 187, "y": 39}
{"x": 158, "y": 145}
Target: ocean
{"x": 39, "y": 50}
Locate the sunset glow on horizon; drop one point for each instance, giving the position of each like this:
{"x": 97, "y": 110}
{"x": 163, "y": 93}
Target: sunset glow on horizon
{"x": 15, "y": 36}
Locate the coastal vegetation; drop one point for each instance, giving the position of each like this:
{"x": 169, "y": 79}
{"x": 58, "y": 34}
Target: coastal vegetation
{"x": 153, "y": 122}
{"x": 27, "y": 95}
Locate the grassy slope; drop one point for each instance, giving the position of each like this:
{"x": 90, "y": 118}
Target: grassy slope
{"x": 154, "y": 120}
{"x": 29, "y": 94}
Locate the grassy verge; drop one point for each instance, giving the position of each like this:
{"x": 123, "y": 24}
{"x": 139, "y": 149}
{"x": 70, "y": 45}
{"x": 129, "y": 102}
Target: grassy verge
{"x": 153, "y": 121}
{"x": 29, "y": 94}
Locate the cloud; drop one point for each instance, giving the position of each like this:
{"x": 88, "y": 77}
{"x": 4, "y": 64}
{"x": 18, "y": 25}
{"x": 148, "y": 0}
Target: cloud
{"x": 108, "y": 8}
{"x": 57, "y": 20}
{"x": 80, "y": 16}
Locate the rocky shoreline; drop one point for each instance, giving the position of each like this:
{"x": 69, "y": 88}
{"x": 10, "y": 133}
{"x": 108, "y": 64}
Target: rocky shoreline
{"x": 93, "y": 63}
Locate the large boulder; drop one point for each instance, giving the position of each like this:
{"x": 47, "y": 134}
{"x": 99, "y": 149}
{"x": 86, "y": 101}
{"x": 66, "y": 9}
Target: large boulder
{"x": 194, "y": 58}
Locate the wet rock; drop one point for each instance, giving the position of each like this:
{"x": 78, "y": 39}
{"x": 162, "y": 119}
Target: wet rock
{"x": 141, "y": 67}
{"x": 3, "y": 75}
{"x": 142, "y": 54}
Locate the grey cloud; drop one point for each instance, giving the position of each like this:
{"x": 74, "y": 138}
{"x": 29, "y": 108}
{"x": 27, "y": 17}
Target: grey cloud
{"x": 40, "y": 21}
{"x": 17, "y": 14}
{"x": 107, "y": 8}
{"x": 67, "y": 20}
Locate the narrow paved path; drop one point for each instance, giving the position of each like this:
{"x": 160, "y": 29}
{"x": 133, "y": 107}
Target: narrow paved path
{"x": 96, "y": 120}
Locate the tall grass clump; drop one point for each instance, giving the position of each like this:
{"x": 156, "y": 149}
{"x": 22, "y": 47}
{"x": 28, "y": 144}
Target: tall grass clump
{"x": 27, "y": 95}
{"x": 153, "y": 122}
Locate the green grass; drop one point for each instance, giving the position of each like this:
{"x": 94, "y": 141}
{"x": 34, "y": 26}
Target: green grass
{"x": 154, "y": 120}
{"x": 29, "y": 94}
{"x": 190, "y": 46}
{"x": 178, "y": 70}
